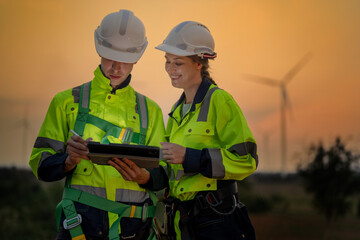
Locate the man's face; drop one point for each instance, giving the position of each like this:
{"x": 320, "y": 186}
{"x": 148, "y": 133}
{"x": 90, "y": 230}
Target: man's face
{"x": 117, "y": 72}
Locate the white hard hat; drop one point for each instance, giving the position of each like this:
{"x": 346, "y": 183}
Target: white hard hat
{"x": 189, "y": 38}
{"x": 121, "y": 37}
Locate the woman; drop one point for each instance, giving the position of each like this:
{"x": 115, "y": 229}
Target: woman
{"x": 209, "y": 147}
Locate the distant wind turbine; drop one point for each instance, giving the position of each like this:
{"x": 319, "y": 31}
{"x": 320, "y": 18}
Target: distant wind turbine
{"x": 25, "y": 128}
{"x": 285, "y": 103}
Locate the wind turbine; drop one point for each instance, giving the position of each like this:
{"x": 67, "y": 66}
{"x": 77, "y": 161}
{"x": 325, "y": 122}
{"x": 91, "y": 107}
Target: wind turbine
{"x": 25, "y": 126}
{"x": 285, "y": 102}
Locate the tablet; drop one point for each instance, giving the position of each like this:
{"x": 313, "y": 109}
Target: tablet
{"x": 142, "y": 156}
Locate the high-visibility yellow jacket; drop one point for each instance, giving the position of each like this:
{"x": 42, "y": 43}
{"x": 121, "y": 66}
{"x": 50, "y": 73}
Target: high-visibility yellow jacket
{"x": 220, "y": 145}
{"x": 115, "y": 106}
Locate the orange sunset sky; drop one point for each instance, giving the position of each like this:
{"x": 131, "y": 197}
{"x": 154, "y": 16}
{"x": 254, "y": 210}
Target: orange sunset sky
{"x": 47, "y": 46}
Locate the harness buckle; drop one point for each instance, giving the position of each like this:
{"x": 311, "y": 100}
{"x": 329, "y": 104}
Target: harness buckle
{"x": 200, "y": 202}
{"x": 73, "y": 222}
{"x": 144, "y": 217}
{"x": 212, "y": 200}
{"x": 127, "y": 135}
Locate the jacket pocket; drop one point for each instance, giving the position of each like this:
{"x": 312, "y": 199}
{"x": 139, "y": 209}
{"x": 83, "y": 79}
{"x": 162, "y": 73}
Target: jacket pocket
{"x": 199, "y": 135}
{"x": 85, "y": 168}
{"x": 71, "y": 112}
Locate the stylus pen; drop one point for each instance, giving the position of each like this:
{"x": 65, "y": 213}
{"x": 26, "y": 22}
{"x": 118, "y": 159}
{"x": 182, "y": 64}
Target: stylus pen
{"x": 75, "y": 133}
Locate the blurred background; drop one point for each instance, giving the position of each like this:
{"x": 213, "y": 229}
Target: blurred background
{"x": 291, "y": 65}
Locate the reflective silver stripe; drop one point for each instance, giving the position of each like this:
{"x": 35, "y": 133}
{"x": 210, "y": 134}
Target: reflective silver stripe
{"x": 44, "y": 155}
{"x": 43, "y": 142}
{"x": 127, "y": 195}
{"x": 76, "y": 93}
{"x": 98, "y": 191}
{"x": 218, "y": 168}
{"x": 179, "y": 174}
{"x": 204, "y": 110}
{"x": 143, "y": 112}
{"x": 246, "y": 148}
{"x": 122, "y": 195}
{"x": 85, "y": 97}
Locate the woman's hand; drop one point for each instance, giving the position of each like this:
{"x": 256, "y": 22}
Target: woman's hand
{"x": 130, "y": 171}
{"x": 173, "y": 153}
{"x": 77, "y": 150}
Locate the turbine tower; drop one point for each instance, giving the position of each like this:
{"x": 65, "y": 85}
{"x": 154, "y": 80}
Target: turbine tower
{"x": 285, "y": 102}
{"x": 25, "y": 129}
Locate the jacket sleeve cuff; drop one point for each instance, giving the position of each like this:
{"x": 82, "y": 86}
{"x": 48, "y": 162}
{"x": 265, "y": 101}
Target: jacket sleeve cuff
{"x": 149, "y": 184}
{"x": 158, "y": 180}
{"x": 52, "y": 168}
{"x": 198, "y": 161}
{"x": 192, "y": 162}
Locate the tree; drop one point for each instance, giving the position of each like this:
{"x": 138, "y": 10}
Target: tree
{"x": 331, "y": 180}
{"x": 27, "y": 207}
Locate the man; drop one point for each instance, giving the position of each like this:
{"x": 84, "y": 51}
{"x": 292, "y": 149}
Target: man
{"x": 98, "y": 203}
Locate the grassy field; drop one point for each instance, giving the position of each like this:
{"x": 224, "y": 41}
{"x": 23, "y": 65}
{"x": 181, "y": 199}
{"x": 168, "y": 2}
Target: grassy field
{"x": 292, "y": 216}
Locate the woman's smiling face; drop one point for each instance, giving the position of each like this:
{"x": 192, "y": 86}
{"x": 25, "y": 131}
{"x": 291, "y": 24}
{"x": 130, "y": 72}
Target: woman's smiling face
{"x": 183, "y": 72}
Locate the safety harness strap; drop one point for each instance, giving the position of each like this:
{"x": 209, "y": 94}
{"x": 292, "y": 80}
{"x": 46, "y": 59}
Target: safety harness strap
{"x": 84, "y": 117}
{"x": 83, "y": 111}
{"x": 73, "y": 220}
{"x": 104, "y": 204}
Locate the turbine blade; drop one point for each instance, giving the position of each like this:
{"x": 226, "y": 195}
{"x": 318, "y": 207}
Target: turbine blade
{"x": 288, "y": 104}
{"x": 262, "y": 80}
{"x": 290, "y": 75}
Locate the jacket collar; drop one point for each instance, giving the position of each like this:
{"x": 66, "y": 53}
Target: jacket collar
{"x": 199, "y": 96}
{"x": 105, "y": 82}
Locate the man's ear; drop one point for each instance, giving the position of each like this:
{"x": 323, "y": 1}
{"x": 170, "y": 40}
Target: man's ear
{"x": 199, "y": 66}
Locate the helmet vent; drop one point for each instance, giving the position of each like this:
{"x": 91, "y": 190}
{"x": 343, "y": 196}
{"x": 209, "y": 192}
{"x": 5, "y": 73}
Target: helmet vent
{"x": 124, "y": 22}
{"x": 203, "y": 26}
{"x": 106, "y": 44}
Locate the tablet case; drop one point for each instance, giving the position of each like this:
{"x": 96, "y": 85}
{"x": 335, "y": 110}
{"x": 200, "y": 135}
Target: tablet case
{"x": 143, "y": 156}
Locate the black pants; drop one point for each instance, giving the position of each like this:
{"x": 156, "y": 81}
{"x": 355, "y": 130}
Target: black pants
{"x": 142, "y": 234}
{"x": 236, "y": 226}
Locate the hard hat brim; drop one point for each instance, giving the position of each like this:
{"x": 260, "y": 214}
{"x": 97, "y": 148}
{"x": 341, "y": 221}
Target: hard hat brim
{"x": 173, "y": 50}
{"x": 119, "y": 56}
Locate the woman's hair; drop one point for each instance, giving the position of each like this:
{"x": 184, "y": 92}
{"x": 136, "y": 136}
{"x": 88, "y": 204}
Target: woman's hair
{"x": 205, "y": 67}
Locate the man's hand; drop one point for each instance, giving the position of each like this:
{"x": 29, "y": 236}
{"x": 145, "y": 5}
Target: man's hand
{"x": 130, "y": 171}
{"x": 173, "y": 153}
{"x": 77, "y": 150}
